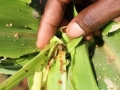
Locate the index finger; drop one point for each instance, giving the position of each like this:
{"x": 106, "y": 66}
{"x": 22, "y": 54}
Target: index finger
{"x": 51, "y": 18}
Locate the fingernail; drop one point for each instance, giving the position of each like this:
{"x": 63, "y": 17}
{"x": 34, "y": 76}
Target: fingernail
{"x": 40, "y": 44}
{"x": 74, "y": 30}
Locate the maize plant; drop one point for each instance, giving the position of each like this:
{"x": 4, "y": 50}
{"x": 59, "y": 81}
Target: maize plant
{"x": 64, "y": 64}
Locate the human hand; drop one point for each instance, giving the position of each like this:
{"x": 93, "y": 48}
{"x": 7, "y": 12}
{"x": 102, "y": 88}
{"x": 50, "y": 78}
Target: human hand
{"x": 90, "y": 19}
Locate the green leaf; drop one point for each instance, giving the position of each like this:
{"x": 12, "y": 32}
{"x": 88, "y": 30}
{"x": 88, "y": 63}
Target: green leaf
{"x": 23, "y": 60}
{"x": 82, "y": 75}
{"x": 35, "y": 64}
{"x": 10, "y": 66}
{"x": 75, "y": 11}
{"x": 73, "y": 43}
{"x": 9, "y": 69}
{"x": 111, "y": 27}
{"x": 107, "y": 62}
{"x": 27, "y": 1}
{"x": 18, "y": 28}
{"x": 18, "y": 14}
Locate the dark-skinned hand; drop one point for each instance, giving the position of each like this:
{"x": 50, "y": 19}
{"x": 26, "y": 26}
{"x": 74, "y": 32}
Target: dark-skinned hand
{"x": 93, "y": 14}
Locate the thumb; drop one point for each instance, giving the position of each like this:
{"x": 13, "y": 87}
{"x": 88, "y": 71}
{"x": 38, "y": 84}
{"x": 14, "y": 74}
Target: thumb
{"x": 93, "y": 17}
